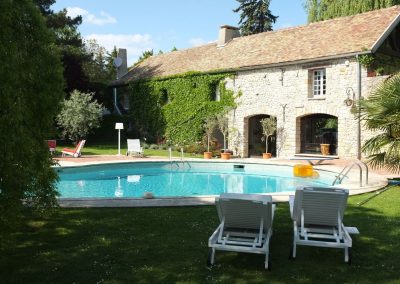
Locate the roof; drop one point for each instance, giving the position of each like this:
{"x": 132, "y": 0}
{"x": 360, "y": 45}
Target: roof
{"x": 339, "y": 37}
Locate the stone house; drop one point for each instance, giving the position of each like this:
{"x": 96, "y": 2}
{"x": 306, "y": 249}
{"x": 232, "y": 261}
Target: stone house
{"x": 307, "y": 77}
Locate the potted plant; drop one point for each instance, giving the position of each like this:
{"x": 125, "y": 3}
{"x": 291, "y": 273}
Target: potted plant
{"x": 209, "y": 125}
{"x": 222, "y": 123}
{"x": 268, "y": 127}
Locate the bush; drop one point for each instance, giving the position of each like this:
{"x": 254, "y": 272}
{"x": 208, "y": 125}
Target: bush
{"x": 79, "y": 115}
{"x": 195, "y": 148}
{"x": 154, "y": 147}
{"x": 31, "y": 87}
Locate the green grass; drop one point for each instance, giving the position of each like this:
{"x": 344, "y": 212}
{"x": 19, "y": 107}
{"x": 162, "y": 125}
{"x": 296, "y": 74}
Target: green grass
{"x": 112, "y": 149}
{"x": 169, "y": 245}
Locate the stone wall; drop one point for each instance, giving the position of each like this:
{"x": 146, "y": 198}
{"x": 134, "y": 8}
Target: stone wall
{"x": 285, "y": 93}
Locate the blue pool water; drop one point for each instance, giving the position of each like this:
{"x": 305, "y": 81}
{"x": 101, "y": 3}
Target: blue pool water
{"x": 179, "y": 179}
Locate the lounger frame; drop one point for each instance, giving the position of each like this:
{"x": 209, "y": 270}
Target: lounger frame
{"x": 324, "y": 226}
{"x": 246, "y": 225}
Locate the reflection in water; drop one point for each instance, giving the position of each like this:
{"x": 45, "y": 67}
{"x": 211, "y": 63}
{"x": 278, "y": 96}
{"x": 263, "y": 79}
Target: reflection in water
{"x": 118, "y": 190}
{"x": 234, "y": 183}
{"x": 133, "y": 178}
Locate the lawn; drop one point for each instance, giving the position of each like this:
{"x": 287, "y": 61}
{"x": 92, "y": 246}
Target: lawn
{"x": 112, "y": 149}
{"x": 169, "y": 245}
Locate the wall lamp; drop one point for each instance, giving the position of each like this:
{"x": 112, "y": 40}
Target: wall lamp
{"x": 350, "y": 96}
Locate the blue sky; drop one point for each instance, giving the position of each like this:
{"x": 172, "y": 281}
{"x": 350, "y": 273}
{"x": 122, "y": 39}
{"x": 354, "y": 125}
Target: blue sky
{"x": 140, "y": 25}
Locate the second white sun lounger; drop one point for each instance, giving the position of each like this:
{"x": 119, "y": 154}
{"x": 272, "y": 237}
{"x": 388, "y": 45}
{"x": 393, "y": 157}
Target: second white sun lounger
{"x": 317, "y": 215}
{"x": 246, "y": 225}
{"x": 134, "y": 147}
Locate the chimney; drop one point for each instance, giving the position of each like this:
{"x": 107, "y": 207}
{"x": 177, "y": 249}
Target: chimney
{"x": 123, "y": 68}
{"x": 226, "y": 34}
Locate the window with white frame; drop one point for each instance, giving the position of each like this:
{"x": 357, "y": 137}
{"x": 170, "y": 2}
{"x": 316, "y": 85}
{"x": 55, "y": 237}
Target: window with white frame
{"x": 318, "y": 82}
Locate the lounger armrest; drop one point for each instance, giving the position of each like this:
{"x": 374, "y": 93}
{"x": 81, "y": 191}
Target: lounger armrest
{"x": 214, "y": 237}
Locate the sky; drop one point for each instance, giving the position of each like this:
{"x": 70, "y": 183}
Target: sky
{"x": 140, "y": 25}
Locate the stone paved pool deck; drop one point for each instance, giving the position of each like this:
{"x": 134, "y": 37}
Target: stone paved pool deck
{"x": 377, "y": 179}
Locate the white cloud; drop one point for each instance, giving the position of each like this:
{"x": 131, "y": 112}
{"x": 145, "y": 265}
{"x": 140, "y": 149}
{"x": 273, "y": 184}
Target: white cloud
{"x": 135, "y": 44}
{"x": 90, "y": 18}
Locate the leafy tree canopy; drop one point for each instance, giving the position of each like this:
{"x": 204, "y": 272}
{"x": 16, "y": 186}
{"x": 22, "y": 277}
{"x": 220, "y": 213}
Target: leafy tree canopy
{"x": 69, "y": 42}
{"x": 79, "y": 115}
{"x": 255, "y": 16}
{"x": 319, "y": 10}
{"x": 31, "y": 87}
{"x": 146, "y": 54}
{"x": 100, "y": 68}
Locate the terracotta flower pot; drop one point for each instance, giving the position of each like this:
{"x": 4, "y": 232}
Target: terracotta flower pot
{"x": 225, "y": 156}
{"x": 267, "y": 155}
{"x": 207, "y": 155}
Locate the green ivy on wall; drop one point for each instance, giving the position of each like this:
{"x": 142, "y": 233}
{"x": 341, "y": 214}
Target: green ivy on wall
{"x": 175, "y": 108}
{"x": 383, "y": 64}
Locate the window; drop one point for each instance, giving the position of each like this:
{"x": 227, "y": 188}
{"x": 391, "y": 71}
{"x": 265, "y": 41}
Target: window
{"x": 319, "y": 82}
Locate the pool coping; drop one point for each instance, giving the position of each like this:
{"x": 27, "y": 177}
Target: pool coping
{"x": 375, "y": 182}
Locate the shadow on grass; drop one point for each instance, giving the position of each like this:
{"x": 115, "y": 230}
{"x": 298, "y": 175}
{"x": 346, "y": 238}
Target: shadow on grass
{"x": 167, "y": 245}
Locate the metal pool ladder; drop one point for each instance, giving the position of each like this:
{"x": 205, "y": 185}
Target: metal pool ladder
{"x": 361, "y": 165}
{"x": 182, "y": 162}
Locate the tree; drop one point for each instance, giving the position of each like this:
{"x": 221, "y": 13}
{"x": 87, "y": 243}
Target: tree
{"x": 69, "y": 43}
{"x": 209, "y": 125}
{"x": 223, "y": 126}
{"x": 31, "y": 86}
{"x": 110, "y": 62}
{"x": 146, "y": 54}
{"x": 381, "y": 113}
{"x": 79, "y": 115}
{"x": 255, "y": 16}
{"x": 319, "y": 10}
{"x": 268, "y": 125}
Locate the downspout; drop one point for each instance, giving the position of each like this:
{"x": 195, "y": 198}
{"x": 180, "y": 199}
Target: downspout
{"x": 115, "y": 102}
{"x": 358, "y": 108}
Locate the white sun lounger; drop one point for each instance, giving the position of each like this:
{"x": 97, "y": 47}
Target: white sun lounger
{"x": 134, "y": 147}
{"x": 317, "y": 215}
{"x": 312, "y": 160}
{"x": 246, "y": 225}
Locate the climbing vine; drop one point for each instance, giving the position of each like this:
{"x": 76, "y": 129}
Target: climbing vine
{"x": 382, "y": 64}
{"x": 175, "y": 108}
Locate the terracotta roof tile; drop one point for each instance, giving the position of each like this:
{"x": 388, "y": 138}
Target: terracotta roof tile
{"x": 340, "y": 36}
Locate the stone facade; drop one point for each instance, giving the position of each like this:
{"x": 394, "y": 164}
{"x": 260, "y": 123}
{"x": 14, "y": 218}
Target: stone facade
{"x": 286, "y": 93}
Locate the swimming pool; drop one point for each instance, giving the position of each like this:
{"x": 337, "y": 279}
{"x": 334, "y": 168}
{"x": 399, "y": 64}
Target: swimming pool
{"x": 166, "y": 179}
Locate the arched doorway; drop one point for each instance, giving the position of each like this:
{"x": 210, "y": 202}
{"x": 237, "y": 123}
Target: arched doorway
{"x": 317, "y": 129}
{"x": 256, "y": 144}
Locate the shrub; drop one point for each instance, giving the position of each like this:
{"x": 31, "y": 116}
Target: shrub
{"x": 31, "y": 87}
{"x": 79, "y": 115}
{"x": 154, "y": 147}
